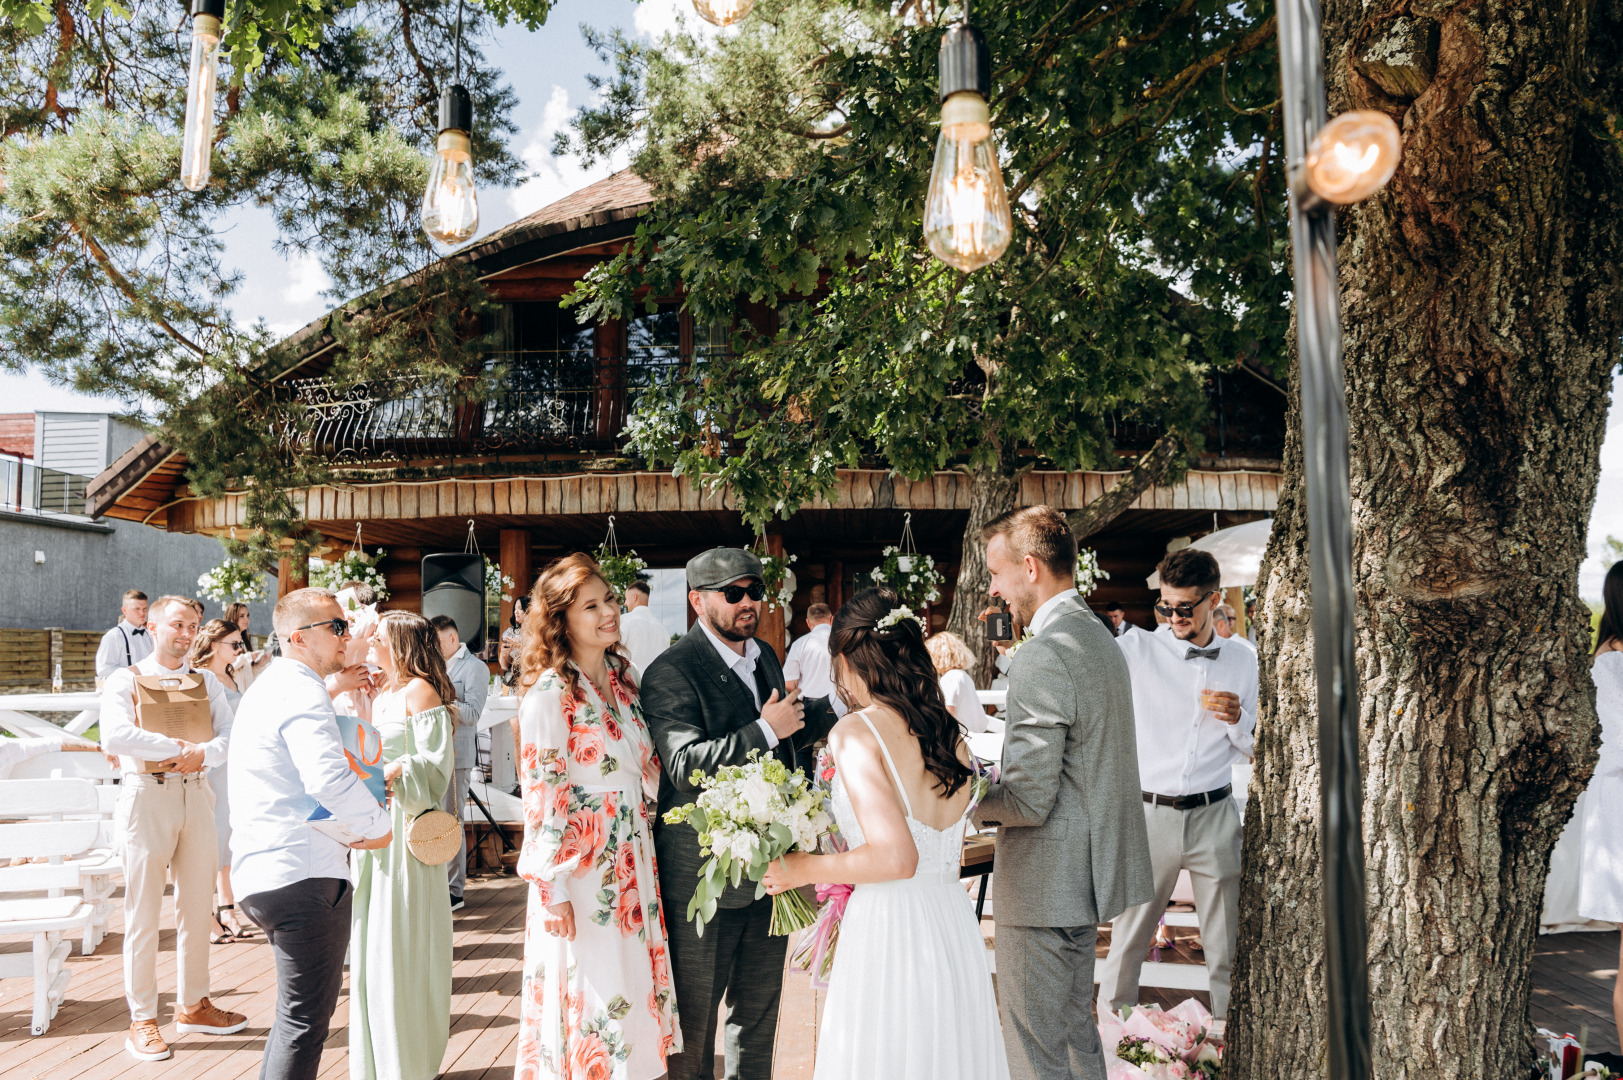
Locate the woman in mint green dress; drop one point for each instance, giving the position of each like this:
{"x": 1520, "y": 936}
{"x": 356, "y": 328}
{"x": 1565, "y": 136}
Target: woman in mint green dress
{"x": 400, "y": 947}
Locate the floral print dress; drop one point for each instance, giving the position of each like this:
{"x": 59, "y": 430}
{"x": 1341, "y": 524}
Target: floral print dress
{"x": 600, "y": 1007}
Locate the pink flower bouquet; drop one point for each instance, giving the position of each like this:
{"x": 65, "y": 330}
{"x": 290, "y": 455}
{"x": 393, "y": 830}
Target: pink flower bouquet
{"x": 1183, "y": 1044}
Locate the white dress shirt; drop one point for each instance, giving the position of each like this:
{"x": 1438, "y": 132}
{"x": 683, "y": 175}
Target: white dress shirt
{"x": 287, "y": 759}
{"x": 1182, "y": 748}
{"x": 644, "y": 636}
{"x": 1237, "y": 640}
{"x": 123, "y": 645}
{"x": 809, "y": 662}
{"x": 1045, "y": 613}
{"x": 121, "y": 735}
{"x": 958, "y": 688}
{"x": 744, "y": 668}
{"x": 13, "y": 752}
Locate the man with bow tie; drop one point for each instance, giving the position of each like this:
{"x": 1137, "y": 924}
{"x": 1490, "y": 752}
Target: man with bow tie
{"x": 128, "y": 643}
{"x": 1195, "y": 709}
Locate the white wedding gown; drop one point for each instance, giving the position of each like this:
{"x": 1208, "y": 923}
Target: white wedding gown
{"x": 910, "y": 996}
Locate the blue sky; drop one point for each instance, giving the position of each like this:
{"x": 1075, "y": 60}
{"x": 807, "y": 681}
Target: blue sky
{"x": 548, "y": 69}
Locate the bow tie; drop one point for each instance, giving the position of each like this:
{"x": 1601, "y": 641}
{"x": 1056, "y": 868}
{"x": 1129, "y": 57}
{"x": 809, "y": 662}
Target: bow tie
{"x": 1205, "y": 654}
{"x": 137, "y": 633}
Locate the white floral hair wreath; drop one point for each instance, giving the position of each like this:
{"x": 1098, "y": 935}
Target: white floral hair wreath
{"x": 896, "y": 615}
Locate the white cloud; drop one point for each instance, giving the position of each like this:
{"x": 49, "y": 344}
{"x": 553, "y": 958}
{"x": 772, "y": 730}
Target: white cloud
{"x": 654, "y": 18}
{"x": 554, "y": 177}
{"x": 306, "y": 281}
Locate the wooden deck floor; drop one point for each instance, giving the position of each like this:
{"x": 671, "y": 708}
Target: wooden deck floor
{"x": 1572, "y": 979}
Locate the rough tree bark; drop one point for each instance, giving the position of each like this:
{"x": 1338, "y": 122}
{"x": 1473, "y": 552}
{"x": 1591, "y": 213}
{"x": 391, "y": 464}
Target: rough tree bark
{"x": 1154, "y": 464}
{"x": 992, "y": 492}
{"x": 1482, "y": 309}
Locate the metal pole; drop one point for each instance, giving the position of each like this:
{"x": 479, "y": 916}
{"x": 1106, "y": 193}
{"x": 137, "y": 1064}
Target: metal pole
{"x": 1329, "y": 514}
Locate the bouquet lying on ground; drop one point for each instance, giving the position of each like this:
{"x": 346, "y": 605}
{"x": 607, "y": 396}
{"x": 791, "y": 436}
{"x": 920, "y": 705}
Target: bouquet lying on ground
{"x": 747, "y": 816}
{"x": 1183, "y": 1044}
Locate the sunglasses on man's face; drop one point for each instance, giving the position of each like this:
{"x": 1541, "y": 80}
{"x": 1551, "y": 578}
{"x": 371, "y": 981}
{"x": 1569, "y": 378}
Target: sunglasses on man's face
{"x": 1183, "y": 611}
{"x": 735, "y": 593}
{"x": 339, "y": 627}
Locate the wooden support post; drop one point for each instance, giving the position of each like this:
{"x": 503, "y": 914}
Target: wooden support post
{"x": 289, "y": 579}
{"x": 515, "y": 561}
{"x": 773, "y": 620}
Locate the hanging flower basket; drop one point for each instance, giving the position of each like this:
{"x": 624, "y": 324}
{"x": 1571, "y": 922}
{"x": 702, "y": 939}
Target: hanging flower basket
{"x": 355, "y": 565}
{"x": 1088, "y": 573}
{"x": 779, "y": 580}
{"x": 620, "y": 570}
{"x": 913, "y": 577}
{"x": 232, "y": 581}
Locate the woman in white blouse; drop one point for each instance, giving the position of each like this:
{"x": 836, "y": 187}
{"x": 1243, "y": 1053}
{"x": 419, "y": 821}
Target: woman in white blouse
{"x": 1600, "y": 894}
{"x": 952, "y": 660}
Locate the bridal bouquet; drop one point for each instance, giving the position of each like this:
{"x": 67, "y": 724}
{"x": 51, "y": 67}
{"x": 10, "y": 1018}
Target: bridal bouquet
{"x": 747, "y": 816}
{"x": 1183, "y": 1044}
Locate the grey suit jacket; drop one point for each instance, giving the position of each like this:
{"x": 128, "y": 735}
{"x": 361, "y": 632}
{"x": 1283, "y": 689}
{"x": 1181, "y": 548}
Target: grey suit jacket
{"x": 702, "y": 718}
{"x": 1071, "y": 845}
{"x": 471, "y": 678}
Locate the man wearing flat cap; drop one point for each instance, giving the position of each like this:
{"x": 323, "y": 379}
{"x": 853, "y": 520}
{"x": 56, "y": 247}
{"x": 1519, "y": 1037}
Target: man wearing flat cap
{"x": 709, "y": 700}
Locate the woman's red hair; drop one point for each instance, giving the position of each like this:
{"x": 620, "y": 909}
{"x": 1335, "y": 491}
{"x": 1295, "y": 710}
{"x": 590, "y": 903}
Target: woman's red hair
{"x": 545, "y": 643}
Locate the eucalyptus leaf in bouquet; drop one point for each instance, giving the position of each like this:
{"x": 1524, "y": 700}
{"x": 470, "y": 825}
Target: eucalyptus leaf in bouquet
{"x": 746, "y": 816}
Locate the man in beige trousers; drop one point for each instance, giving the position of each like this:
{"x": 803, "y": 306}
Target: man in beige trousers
{"x": 165, "y": 824}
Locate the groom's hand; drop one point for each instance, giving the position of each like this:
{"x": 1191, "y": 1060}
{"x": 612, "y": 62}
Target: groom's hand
{"x": 784, "y": 717}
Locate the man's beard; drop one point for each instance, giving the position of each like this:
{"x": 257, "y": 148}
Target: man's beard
{"x": 730, "y": 631}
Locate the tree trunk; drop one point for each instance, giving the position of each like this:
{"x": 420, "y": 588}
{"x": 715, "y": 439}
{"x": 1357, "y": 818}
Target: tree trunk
{"x": 991, "y": 493}
{"x": 1482, "y": 308}
{"x": 1152, "y": 465}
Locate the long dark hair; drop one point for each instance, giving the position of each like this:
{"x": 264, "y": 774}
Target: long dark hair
{"x": 900, "y": 675}
{"x": 415, "y": 652}
{"x": 1611, "y": 615}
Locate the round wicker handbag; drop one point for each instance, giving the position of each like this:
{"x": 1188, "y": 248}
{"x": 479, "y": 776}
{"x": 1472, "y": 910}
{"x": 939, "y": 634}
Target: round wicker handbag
{"x": 434, "y": 837}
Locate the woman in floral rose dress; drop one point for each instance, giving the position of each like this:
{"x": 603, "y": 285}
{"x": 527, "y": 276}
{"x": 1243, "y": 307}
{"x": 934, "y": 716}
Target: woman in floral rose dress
{"x": 597, "y": 1002}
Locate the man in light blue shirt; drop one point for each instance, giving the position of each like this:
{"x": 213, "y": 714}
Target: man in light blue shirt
{"x": 293, "y": 879}
{"x": 471, "y": 678}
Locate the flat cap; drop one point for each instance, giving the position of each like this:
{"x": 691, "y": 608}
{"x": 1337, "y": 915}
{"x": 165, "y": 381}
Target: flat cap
{"x": 722, "y": 566}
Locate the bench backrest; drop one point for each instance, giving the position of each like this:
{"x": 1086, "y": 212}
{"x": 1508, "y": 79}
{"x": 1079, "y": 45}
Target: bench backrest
{"x": 47, "y": 839}
{"x": 48, "y": 798}
{"x": 46, "y": 766}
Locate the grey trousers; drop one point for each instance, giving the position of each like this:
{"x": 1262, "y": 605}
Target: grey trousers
{"x": 307, "y": 926}
{"x": 737, "y": 960}
{"x": 1045, "y": 1001}
{"x": 456, "y": 797}
{"x": 1206, "y": 842}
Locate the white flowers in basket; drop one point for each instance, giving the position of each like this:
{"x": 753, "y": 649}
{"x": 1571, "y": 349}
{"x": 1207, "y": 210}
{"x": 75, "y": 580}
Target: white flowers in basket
{"x": 747, "y": 816}
{"x": 232, "y": 580}
{"x": 911, "y": 576}
{"x": 355, "y": 565}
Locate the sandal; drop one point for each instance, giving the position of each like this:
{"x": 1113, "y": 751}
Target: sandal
{"x": 236, "y": 931}
{"x": 220, "y": 935}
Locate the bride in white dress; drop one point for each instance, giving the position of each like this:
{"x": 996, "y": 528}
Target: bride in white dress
{"x": 910, "y": 996}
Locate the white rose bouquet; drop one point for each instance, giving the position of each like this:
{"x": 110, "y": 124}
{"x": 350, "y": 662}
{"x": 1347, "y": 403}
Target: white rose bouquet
{"x": 747, "y": 816}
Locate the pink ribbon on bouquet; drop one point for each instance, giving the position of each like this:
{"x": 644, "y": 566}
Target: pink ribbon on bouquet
{"x": 824, "y": 933}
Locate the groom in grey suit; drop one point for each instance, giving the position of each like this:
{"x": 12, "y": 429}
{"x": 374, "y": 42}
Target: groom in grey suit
{"x": 1072, "y": 850}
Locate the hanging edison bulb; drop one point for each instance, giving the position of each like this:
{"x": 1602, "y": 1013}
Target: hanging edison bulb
{"x": 722, "y": 12}
{"x": 197, "y": 136}
{"x": 1353, "y": 156}
{"x": 450, "y": 203}
{"x": 966, "y": 212}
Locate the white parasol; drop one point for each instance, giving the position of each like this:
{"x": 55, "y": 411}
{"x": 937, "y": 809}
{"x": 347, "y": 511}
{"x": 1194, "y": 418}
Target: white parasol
{"x": 1238, "y": 551}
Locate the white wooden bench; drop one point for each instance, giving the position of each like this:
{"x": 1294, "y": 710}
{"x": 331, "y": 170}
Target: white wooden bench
{"x": 94, "y": 868}
{"x": 46, "y": 919}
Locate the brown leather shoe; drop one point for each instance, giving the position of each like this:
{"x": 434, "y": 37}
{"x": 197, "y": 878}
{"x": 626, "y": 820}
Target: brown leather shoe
{"x": 204, "y": 1019}
{"x": 145, "y": 1041}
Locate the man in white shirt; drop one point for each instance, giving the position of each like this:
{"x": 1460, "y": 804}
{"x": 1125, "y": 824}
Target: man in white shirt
{"x": 1224, "y": 621}
{"x": 808, "y": 668}
{"x": 641, "y": 632}
{"x": 128, "y": 643}
{"x": 471, "y": 678}
{"x": 292, "y": 878}
{"x": 165, "y": 823}
{"x": 1195, "y": 708}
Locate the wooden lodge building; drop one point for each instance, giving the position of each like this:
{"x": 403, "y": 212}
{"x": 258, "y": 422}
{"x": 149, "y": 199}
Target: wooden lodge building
{"x": 541, "y": 469}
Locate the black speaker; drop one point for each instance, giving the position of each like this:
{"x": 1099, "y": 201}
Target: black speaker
{"x": 454, "y": 585}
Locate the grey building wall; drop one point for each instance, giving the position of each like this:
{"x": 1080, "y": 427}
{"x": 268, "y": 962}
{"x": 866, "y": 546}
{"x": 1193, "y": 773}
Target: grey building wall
{"x": 88, "y": 565}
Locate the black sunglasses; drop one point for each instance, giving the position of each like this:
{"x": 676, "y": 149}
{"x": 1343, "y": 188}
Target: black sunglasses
{"x": 237, "y": 645}
{"x": 1183, "y": 611}
{"x": 339, "y": 627}
{"x": 734, "y": 593}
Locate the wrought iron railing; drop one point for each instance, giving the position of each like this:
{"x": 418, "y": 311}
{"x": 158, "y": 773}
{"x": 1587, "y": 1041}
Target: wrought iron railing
{"x": 572, "y": 401}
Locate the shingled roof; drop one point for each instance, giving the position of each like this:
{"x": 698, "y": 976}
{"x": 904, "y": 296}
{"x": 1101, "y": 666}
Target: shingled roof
{"x": 605, "y": 210}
